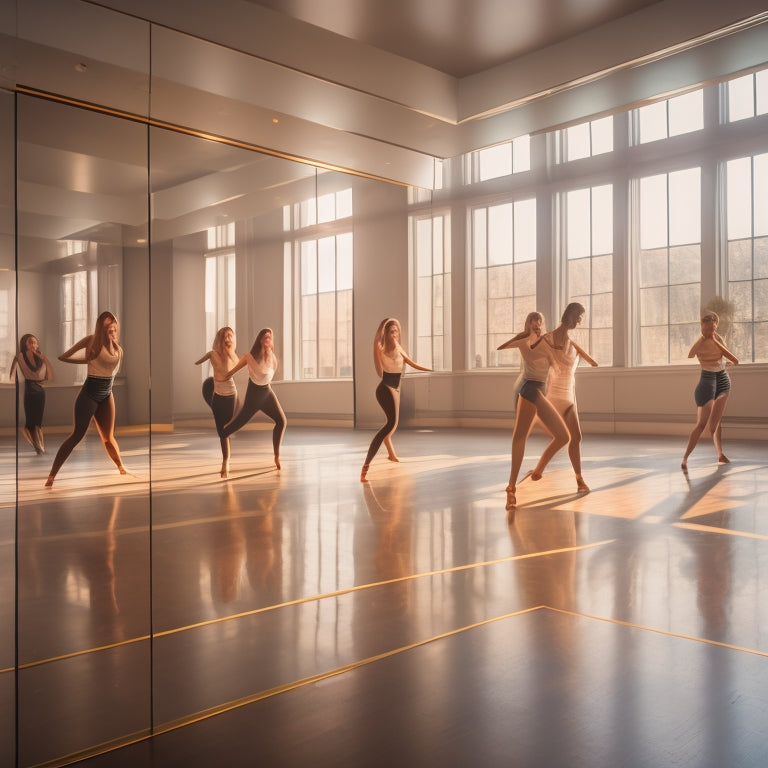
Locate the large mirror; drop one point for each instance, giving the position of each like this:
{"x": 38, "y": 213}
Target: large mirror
{"x": 83, "y": 535}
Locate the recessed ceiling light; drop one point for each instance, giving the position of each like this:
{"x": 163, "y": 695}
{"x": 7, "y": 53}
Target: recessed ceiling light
{"x": 81, "y": 67}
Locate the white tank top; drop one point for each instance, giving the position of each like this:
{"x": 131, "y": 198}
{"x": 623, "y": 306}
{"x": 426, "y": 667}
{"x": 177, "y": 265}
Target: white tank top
{"x": 260, "y": 373}
{"x": 105, "y": 365}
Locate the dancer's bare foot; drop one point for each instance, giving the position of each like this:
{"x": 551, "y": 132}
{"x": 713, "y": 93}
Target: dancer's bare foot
{"x": 723, "y": 459}
{"x": 122, "y": 470}
{"x": 392, "y": 457}
{"x": 49, "y": 481}
{"x": 277, "y": 462}
{"x": 511, "y": 498}
{"x": 225, "y": 469}
{"x": 364, "y": 472}
{"x": 533, "y": 474}
{"x": 581, "y": 486}
{"x": 684, "y": 465}
{"x": 28, "y": 436}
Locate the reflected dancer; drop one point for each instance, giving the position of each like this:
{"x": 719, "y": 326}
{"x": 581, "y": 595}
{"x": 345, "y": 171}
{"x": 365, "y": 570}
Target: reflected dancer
{"x": 103, "y": 355}
{"x": 36, "y": 369}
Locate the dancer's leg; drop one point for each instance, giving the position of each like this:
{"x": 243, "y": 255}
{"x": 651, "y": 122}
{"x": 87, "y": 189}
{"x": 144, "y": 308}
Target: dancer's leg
{"x": 84, "y": 409}
{"x": 526, "y": 413}
{"x": 105, "y": 424}
{"x": 389, "y": 400}
{"x": 251, "y": 404}
{"x": 702, "y": 417}
{"x": 223, "y": 407}
{"x": 715, "y": 427}
{"x": 554, "y": 424}
{"x": 271, "y": 406}
{"x": 571, "y": 419}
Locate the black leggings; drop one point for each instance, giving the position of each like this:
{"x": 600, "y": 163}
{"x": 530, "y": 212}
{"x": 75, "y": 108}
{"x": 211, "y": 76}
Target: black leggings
{"x": 223, "y": 407}
{"x": 259, "y": 398}
{"x": 386, "y": 399}
{"x": 85, "y": 409}
{"x": 34, "y": 404}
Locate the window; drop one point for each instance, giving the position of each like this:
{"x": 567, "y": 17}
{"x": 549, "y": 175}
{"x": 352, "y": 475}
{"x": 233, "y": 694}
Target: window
{"x": 503, "y": 245}
{"x": 78, "y": 294}
{"x": 220, "y": 295}
{"x": 588, "y": 246}
{"x": 673, "y": 117}
{"x": 430, "y": 255}
{"x": 497, "y": 161}
{"x": 319, "y": 210}
{"x": 747, "y": 96}
{"x": 586, "y": 139}
{"x": 325, "y": 290}
{"x": 747, "y": 258}
{"x": 668, "y": 274}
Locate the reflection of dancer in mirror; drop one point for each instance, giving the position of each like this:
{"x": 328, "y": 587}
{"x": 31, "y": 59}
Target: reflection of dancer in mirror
{"x": 35, "y": 369}
{"x": 103, "y": 356}
{"x": 532, "y": 402}
{"x": 390, "y": 360}
{"x": 219, "y": 391}
{"x": 561, "y": 386}
{"x": 714, "y": 386}
{"x": 262, "y": 364}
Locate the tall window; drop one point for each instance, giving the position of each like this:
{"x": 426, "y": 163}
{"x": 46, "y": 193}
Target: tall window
{"x": 78, "y": 296}
{"x": 668, "y": 274}
{"x": 325, "y": 288}
{"x": 220, "y": 293}
{"x": 747, "y": 96}
{"x": 747, "y": 263}
{"x": 588, "y": 244}
{"x": 586, "y": 139}
{"x": 672, "y": 117}
{"x": 431, "y": 253}
{"x": 503, "y": 277}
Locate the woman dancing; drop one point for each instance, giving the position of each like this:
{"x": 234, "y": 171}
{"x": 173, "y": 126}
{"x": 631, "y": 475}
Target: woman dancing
{"x": 561, "y": 386}
{"x": 35, "y": 369}
{"x": 532, "y": 402}
{"x": 390, "y": 360}
{"x": 103, "y": 356}
{"x": 262, "y": 364}
{"x": 714, "y": 386}
{"x": 219, "y": 391}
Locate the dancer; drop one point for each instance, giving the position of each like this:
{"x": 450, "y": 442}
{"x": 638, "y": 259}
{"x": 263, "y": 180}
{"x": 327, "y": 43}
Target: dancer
{"x": 561, "y": 386}
{"x": 103, "y": 356}
{"x": 262, "y": 364}
{"x": 532, "y": 402}
{"x": 390, "y": 360}
{"x": 35, "y": 369}
{"x": 220, "y": 391}
{"x": 714, "y": 386}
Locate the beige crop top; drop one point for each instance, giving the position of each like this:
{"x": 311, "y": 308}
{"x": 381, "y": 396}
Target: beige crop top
{"x": 105, "y": 364}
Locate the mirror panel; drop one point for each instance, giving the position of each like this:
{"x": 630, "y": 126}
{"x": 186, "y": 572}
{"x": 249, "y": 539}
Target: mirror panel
{"x": 83, "y": 544}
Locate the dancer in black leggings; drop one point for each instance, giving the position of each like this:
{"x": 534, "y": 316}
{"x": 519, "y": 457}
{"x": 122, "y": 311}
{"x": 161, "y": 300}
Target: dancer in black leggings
{"x": 219, "y": 391}
{"x": 103, "y": 356}
{"x": 390, "y": 360}
{"x": 35, "y": 369}
{"x": 262, "y": 364}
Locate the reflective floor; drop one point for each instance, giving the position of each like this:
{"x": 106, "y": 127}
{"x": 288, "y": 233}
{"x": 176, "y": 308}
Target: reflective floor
{"x": 302, "y": 618}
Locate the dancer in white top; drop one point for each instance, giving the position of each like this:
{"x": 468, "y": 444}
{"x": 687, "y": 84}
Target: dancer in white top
{"x": 561, "y": 387}
{"x": 389, "y": 359}
{"x": 532, "y": 402}
{"x": 714, "y": 386}
{"x": 35, "y": 369}
{"x": 103, "y": 356}
{"x": 220, "y": 392}
{"x": 262, "y": 364}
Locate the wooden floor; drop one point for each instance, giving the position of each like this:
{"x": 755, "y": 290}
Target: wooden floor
{"x": 301, "y": 618}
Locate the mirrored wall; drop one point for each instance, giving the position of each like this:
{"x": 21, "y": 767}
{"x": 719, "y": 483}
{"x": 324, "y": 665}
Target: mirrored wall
{"x": 116, "y": 595}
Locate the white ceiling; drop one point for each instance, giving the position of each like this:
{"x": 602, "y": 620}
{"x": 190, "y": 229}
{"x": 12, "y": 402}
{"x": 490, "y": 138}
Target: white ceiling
{"x": 457, "y": 37}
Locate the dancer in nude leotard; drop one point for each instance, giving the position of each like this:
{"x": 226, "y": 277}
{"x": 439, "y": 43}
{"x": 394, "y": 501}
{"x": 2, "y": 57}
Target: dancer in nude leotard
{"x": 390, "y": 360}
{"x": 532, "y": 402}
{"x": 222, "y": 395}
{"x": 714, "y": 386}
{"x": 35, "y": 369}
{"x": 259, "y": 396}
{"x": 561, "y": 387}
{"x": 103, "y": 356}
